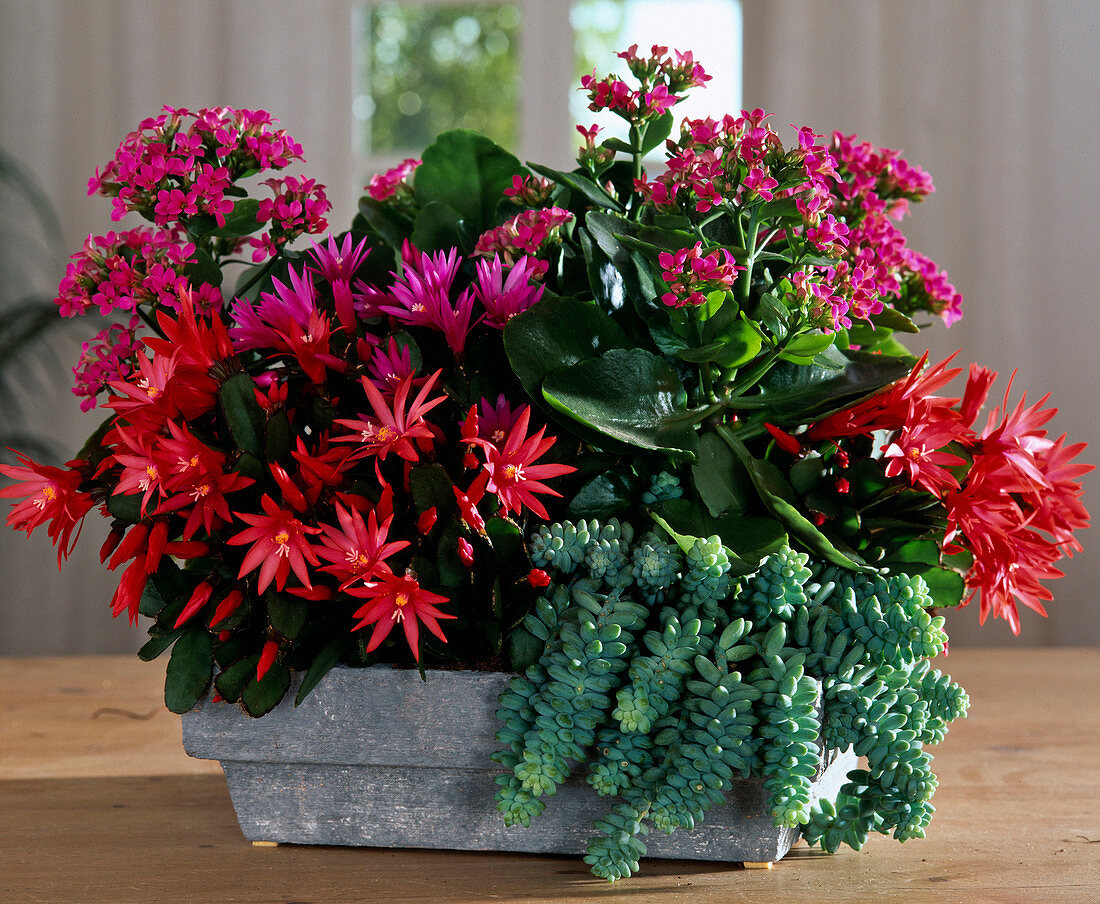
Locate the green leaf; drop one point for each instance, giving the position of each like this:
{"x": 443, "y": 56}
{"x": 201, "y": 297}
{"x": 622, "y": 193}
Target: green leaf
{"x": 436, "y": 227}
{"x": 597, "y": 194}
{"x": 233, "y": 679}
{"x": 157, "y": 644}
{"x": 127, "y": 507}
{"x": 243, "y": 413}
{"x": 719, "y": 477}
{"x": 468, "y": 172}
{"x": 748, "y": 539}
{"x": 287, "y": 614}
{"x": 392, "y": 227}
{"x": 322, "y": 664}
{"x": 506, "y": 537}
{"x": 606, "y": 228}
{"x": 431, "y": 487}
{"x": 893, "y": 319}
{"x": 164, "y": 586}
{"x": 803, "y": 349}
{"x": 524, "y": 649}
{"x": 203, "y": 270}
{"x": 778, "y": 497}
{"x": 278, "y": 441}
{"x": 554, "y": 334}
{"x": 604, "y": 496}
{"x": 189, "y": 668}
{"x": 452, "y": 573}
{"x": 628, "y": 394}
{"x": 261, "y": 697}
{"x": 241, "y": 220}
{"x": 657, "y": 131}
{"x": 802, "y": 393}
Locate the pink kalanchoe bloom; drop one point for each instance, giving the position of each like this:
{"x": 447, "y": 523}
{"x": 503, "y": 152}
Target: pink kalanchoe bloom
{"x": 279, "y": 546}
{"x": 527, "y": 232}
{"x": 50, "y": 496}
{"x": 691, "y": 275}
{"x": 385, "y": 185}
{"x": 393, "y": 429}
{"x": 357, "y": 550}
{"x": 502, "y": 297}
{"x": 392, "y": 600}
{"x": 513, "y": 475}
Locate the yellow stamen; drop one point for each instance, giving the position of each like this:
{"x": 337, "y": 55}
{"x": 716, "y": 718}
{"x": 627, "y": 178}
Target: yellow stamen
{"x": 401, "y": 600}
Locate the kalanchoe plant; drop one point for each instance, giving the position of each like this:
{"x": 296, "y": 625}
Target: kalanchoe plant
{"x": 650, "y": 440}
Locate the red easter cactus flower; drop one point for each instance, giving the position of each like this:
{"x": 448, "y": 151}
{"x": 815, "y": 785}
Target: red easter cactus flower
{"x": 279, "y": 546}
{"x": 50, "y": 496}
{"x": 393, "y": 429}
{"x": 393, "y": 599}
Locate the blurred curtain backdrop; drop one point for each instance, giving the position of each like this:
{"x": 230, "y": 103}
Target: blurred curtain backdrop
{"x": 994, "y": 97}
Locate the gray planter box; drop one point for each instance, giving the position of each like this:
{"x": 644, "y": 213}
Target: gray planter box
{"x": 376, "y": 757}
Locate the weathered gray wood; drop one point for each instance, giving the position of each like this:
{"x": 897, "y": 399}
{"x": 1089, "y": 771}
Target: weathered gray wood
{"x": 376, "y": 757}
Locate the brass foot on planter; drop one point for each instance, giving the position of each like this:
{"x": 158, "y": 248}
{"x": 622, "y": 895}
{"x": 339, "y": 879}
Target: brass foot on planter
{"x": 265, "y": 844}
{"x": 748, "y": 864}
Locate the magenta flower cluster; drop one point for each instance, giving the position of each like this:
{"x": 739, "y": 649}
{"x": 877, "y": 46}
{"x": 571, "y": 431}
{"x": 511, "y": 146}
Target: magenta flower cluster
{"x": 121, "y": 270}
{"x": 180, "y": 167}
{"x": 525, "y": 233}
{"x": 386, "y": 185}
{"x": 660, "y": 77}
{"x": 103, "y": 358}
{"x": 690, "y": 274}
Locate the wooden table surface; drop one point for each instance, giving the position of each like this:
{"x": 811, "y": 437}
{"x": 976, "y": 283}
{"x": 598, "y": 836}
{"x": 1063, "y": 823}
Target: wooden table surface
{"x": 98, "y": 803}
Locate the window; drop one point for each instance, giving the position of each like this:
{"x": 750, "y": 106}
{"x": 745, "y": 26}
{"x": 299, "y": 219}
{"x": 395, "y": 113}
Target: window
{"x": 511, "y": 69}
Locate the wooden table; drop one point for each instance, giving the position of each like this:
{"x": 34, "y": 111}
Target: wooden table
{"x": 99, "y": 804}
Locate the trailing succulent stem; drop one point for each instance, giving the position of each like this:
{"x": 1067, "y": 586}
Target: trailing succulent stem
{"x": 671, "y": 677}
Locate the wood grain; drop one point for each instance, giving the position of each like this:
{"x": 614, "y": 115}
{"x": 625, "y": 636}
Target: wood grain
{"x": 1018, "y": 812}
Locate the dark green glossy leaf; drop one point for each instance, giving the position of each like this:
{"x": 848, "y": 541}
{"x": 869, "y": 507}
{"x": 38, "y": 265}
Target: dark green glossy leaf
{"x": 597, "y": 194}
{"x": 893, "y": 319}
{"x": 554, "y": 334}
{"x": 748, "y": 539}
{"x": 506, "y": 537}
{"x": 233, "y": 679}
{"x": 243, "y": 413}
{"x": 164, "y": 586}
{"x": 630, "y": 395}
{"x": 157, "y": 644}
{"x": 287, "y": 614}
{"x": 277, "y": 443}
{"x": 720, "y": 478}
{"x": 803, "y": 393}
{"x": 431, "y": 487}
{"x": 322, "y": 664}
{"x": 524, "y": 649}
{"x": 606, "y": 228}
{"x": 657, "y": 131}
{"x": 778, "y": 497}
{"x": 468, "y": 172}
{"x": 127, "y": 507}
{"x": 261, "y": 697}
{"x": 203, "y": 270}
{"x": 437, "y": 227}
{"x": 391, "y": 226}
{"x": 604, "y": 496}
{"x": 241, "y": 220}
{"x": 189, "y": 668}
